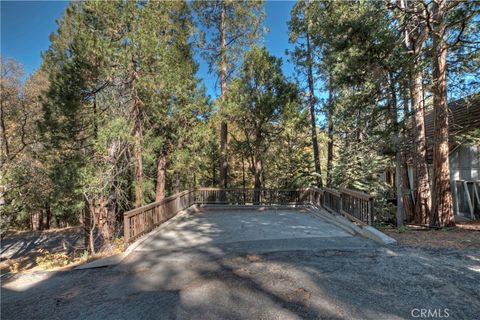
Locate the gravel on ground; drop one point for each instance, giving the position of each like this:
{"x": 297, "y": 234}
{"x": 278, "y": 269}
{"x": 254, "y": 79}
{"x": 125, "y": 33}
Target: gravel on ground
{"x": 254, "y": 265}
{"x": 382, "y": 283}
{"x": 463, "y": 236}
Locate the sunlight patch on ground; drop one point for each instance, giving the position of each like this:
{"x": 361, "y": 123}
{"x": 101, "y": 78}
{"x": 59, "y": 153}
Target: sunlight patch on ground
{"x": 26, "y": 282}
{"x": 474, "y": 268}
{"x": 473, "y": 258}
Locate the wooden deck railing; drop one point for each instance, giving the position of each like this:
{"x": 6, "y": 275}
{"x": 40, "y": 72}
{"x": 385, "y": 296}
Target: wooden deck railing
{"x": 355, "y": 205}
{"x": 252, "y": 196}
{"x": 142, "y": 220}
{"x": 332, "y": 199}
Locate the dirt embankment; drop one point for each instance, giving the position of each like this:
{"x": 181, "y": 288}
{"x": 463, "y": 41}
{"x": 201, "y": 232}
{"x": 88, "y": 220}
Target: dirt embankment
{"x": 55, "y": 249}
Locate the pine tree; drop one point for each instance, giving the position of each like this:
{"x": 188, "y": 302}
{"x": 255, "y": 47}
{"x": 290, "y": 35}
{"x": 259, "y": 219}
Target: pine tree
{"x": 233, "y": 26}
{"x": 260, "y": 100}
{"x": 304, "y": 58}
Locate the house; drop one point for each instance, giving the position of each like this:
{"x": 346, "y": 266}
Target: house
{"x": 464, "y": 125}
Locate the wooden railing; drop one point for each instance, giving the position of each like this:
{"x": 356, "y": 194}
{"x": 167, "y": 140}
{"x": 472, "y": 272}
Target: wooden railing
{"x": 332, "y": 199}
{"x": 140, "y": 221}
{"x": 252, "y": 196}
{"x": 357, "y": 206}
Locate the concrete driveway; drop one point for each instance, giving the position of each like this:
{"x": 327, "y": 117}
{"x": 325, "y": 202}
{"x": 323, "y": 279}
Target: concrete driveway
{"x": 245, "y": 264}
{"x": 248, "y": 230}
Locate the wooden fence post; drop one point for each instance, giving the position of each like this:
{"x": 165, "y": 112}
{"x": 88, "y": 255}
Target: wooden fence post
{"x": 126, "y": 230}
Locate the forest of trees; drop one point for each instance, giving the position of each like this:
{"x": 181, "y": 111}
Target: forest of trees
{"x": 116, "y": 116}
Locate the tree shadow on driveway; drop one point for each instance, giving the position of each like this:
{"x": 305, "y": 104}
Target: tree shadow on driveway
{"x": 235, "y": 280}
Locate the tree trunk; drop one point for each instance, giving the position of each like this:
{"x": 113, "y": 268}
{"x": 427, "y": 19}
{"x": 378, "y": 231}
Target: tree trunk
{"x": 422, "y": 182}
{"x": 407, "y": 189}
{"x": 48, "y": 213}
{"x": 105, "y": 219}
{"x": 2, "y": 189}
{"x": 161, "y": 176}
{"x": 399, "y": 186}
{"x": 214, "y": 172}
{"x": 398, "y": 156}
{"x": 223, "y": 81}
{"x": 4, "y": 152}
{"x": 88, "y": 221}
{"x": 442, "y": 208}
{"x": 416, "y": 33}
{"x": 330, "y": 136}
{"x": 40, "y": 220}
{"x": 137, "y": 147}
{"x": 34, "y": 221}
{"x": 244, "y": 181}
{"x": 313, "y": 123}
{"x": 258, "y": 179}
{"x": 138, "y": 164}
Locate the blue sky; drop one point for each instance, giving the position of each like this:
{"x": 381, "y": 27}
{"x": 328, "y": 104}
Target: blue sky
{"x": 25, "y": 29}
{"x": 26, "y": 26}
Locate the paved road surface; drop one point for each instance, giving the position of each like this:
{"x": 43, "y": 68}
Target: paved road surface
{"x": 238, "y": 264}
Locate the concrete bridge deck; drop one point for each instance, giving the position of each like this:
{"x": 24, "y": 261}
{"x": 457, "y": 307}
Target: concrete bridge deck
{"x": 249, "y": 264}
{"x": 223, "y": 227}
{"x": 217, "y": 232}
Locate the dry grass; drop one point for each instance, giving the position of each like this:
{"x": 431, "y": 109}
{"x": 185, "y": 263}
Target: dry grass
{"x": 49, "y": 260}
{"x": 43, "y": 260}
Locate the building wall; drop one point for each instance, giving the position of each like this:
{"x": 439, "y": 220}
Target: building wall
{"x": 465, "y": 163}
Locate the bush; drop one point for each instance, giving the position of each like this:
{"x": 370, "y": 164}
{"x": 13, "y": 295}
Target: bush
{"x": 49, "y": 260}
{"x": 384, "y": 212}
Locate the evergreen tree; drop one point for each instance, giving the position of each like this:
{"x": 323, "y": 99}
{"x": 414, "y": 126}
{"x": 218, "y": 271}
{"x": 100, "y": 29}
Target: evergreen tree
{"x": 306, "y": 57}
{"x": 233, "y": 27}
{"x": 260, "y": 102}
